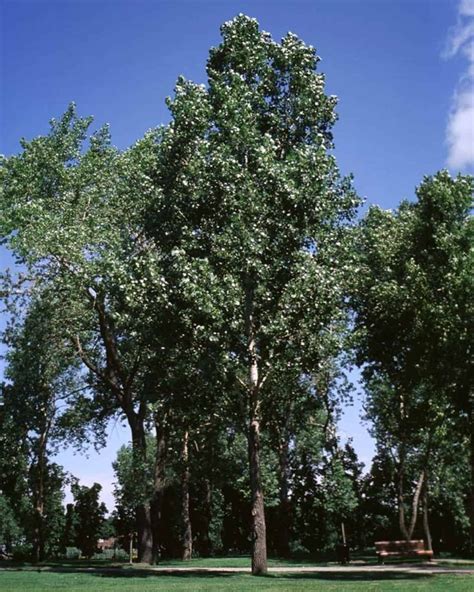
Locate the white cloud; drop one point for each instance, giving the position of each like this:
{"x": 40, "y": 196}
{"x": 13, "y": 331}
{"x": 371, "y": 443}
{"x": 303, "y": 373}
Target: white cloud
{"x": 467, "y": 7}
{"x": 460, "y": 128}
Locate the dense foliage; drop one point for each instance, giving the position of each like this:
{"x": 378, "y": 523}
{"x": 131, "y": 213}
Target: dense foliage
{"x": 209, "y": 286}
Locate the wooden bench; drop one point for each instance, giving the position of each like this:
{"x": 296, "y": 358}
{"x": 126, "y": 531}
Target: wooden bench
{"x": 404, "y": 549}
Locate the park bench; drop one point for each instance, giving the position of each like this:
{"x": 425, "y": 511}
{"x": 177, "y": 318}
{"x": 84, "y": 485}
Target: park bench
{"x": 403, "y": 549}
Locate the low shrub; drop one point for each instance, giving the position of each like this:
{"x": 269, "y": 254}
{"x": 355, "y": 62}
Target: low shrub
{"x": 72, "y": 553}
{"x": 112, "y": 554}
{"x": 22, "y": 552}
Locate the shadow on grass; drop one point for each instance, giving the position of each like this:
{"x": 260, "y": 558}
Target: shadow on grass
{"x": 121, "y": 572}
{"x": 343, "y": 576}
{"x": 355, "y": 576}
{"x": 72, "y": 563}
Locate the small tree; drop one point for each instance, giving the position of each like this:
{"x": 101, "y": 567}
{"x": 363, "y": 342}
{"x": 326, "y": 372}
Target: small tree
{"x": 89, "y": 516}
{"x": 10, "y": 531}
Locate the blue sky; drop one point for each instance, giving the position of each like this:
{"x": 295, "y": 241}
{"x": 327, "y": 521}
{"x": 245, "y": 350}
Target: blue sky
{"x": 403, "y": 72}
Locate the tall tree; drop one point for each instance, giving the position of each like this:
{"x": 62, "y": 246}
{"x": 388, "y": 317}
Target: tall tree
{"x": 86, "y": 247}
{"x": 414, "y": 314}
{"x": 248, "y": 180}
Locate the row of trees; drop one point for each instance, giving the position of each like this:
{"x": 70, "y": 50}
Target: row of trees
{"x": 209, "y": 283}
{"x": 28, "y": 532}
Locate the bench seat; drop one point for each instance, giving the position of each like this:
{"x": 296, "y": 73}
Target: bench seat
{"x": 408, "y": 549}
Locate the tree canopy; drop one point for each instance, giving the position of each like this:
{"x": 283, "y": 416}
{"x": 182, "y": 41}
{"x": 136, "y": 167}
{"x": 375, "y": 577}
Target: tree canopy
{"x": 209, "y": 285}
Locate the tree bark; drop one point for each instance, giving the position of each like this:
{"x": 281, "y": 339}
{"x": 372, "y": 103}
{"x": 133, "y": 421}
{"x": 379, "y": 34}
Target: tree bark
{"x": 407, "y": 531}
{"x": 258, "y": 526}
{"x": 119, "y": 380}
{"x": 206, "y": 543}
{"x": 401, "y": 499}
{"x": 284, "y": 509}
{"x": 259, "y": 551}
{"x": 401, "y": 477}
{"x": 185, "y": 515}
{"x": 144, "y": 533}
{"x": 38, "y": 475}
{"x": 38, "y": 528}
{"x": 159, "y": 484}
{"x": 426, "y": 524}
{"x": 415, "y": 504}
{"x": 142, "y": 510}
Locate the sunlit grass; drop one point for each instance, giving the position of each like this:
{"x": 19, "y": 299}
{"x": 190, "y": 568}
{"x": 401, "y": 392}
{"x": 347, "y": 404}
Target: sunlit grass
{"x": 125, "y": 579}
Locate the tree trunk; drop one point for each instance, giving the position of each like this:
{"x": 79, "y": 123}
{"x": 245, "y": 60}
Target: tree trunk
{"x": 38, "y": 475}
{"x": 415, "y": 504}
{"x": 142, "y": 510}
{"x": 38, "y": 530}
{"x": 159, "y": 483}
{"x": 407, "y": 531}
{"x": 187, "y": 540}
{"x": 284, "y": 509}
{"x": 258, "y": 526}
{"x": 144, "y": 533}
{"x": 426, "y": 524}
{"x": 401, "y": 499}
{"x": 259, "y": 551}
{"x": 120, "y": 382}
{"x": 206, "y": 542}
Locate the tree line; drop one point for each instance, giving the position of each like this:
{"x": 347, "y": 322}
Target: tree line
{"x": 210, "y": 285}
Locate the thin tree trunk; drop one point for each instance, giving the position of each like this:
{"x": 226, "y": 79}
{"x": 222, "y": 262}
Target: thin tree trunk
{"x": 259, "y": 539}
{"x": 426, "y": 524}
{"x": 401, "y": 476}
{"x": 187, "y": 529}
{"x": 206, "y": 545}
{"x": 284, "y": 509}
{"x": 40, "y": 510}
{"x": 38, "y": 472}
{"x": 401, "y": 500}
{"x": 407, "y": 532}
{"x": 120, "y": 382}
{"x": 415, "y": 504}
{"x": 38, "y": 530}
{"x": 159, "y": 483}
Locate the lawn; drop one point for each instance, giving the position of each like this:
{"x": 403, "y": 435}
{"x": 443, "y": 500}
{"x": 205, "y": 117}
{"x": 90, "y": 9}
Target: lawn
{"x": 67, "y": 579}
{"x": 241, "y": 561}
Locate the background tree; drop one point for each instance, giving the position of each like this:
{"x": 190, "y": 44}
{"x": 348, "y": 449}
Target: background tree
{"x": 89, "y": 517}
{"x": 87, "y": 248}
{"x": 10, "y": 531}
{"x": 45, "y": 398}
{"x": 413, "y": 312}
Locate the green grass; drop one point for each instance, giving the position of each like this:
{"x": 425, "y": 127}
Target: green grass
{"x": 241, "y": 561}
{"x": 54, "y": 579}
{"x": 238, "y": 561}
{"x": 450, "y": 561}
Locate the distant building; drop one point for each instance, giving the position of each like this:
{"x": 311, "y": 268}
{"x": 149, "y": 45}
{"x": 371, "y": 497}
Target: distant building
{"x": 110, "y": 543}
